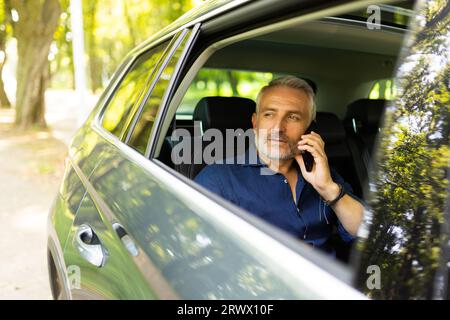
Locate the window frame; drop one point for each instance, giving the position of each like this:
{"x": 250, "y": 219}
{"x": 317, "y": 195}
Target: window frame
{"x": 342, "y": 272}
{"x": 148, "y": 88}
{"x": 135, "y": 106}
{"x": 170, "y": 91}
{"x": 123, "y": 70}
{"x": 141, "y": 90}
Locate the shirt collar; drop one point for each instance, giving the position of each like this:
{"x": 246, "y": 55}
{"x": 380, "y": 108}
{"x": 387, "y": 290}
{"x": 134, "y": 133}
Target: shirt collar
{"x": 247, "y": 160}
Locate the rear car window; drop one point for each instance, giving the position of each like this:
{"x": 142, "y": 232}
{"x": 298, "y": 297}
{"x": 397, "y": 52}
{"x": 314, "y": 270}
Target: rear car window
{"x": 127, "y": 93}
{"x": 145, "y": 118}
{"x": 223, "y": 83}
{"x": 383, "y": 89}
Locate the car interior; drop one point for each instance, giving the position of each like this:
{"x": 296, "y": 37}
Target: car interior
{"x": 339, "y": 56}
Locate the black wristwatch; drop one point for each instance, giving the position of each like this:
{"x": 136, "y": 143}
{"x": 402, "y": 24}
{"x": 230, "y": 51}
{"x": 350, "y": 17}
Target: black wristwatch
{"x": 340, "y": 195}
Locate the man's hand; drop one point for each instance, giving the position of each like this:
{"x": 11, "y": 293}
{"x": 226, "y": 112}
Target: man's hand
{"x": 348, "y": 210}
{"x": 319, "y": 177}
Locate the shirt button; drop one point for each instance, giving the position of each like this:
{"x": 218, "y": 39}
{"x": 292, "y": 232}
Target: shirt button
{"x": 285, "y": 181}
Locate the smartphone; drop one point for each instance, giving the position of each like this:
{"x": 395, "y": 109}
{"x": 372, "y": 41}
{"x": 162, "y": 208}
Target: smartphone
{"x": 308, "y": 158}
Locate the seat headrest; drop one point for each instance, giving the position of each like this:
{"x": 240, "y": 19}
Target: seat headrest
{"x": 366, "y": 113}
{"x": 225, "y": 113}
{"x": 330, "y": 127}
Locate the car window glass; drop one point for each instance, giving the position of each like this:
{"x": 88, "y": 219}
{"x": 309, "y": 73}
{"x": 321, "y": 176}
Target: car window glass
{"x": 405, "y": 233}
{"x": 129, "y": 89}
{"x": 143, "y": 127}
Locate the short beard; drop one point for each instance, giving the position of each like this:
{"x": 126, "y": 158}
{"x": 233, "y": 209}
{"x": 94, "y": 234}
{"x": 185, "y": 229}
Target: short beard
{"x": 261, "y": 143}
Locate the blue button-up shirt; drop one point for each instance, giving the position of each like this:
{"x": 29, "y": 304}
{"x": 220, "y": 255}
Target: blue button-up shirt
{"x": 270, "y": 198}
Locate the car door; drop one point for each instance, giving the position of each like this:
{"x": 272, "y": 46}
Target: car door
{"x": 404, "y": 247}
{"x": 97, "y": 252}
{"x": 180, "y": 242}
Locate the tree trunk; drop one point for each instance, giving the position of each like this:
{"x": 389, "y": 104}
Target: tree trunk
{"x": 4, "y": 101}
{"x": 131, "y": 28}
{"x": 233, "y": 83}
{"x": 34, "y": 33}
{"x": 95, "y": 67}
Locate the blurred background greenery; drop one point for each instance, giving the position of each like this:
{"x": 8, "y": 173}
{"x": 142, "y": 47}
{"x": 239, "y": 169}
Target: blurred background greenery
{"x": 36, "y": 50}
{"x": 37, "y": 53}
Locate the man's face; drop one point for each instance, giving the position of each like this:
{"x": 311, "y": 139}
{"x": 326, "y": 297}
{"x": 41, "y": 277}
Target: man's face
{"x": 284, "y": 115}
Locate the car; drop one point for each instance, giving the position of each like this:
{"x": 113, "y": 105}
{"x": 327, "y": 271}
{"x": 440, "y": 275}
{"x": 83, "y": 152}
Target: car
{"x": 129, "y": 222}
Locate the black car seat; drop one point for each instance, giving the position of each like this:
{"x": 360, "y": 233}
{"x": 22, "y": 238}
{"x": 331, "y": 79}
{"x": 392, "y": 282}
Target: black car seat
{"x": 362, "y": 123}
{"x": 220, "y": 113}
{"x": 337, "y": 150}
{"x": 341, "y": 159}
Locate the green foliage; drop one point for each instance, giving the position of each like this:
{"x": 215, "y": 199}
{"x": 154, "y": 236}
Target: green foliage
{"x": 112, "y": 29}
{"x": 5, "y": 25}
{"x": 60, "y": 57}
{"x": 406, "y": 227}
{"x": 223, "y": 82}
{"x": 383, "y": 89}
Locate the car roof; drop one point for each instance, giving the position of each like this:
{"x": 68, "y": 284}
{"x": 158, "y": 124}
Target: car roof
{"x": 201, "y": 13}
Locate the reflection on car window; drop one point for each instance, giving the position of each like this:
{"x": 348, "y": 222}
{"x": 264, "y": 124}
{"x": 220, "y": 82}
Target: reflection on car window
{"x": 129, "y": 89}
{"x": 398, "y": 15}
{"x": 142, "y": 129}
{"x": 405, "y": 234}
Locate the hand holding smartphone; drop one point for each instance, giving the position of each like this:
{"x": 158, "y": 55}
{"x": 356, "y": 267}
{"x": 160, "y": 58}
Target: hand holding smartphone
{"x": 308, "y": 158}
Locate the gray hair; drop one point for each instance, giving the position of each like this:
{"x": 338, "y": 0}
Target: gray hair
{"x": 294, "y": 83}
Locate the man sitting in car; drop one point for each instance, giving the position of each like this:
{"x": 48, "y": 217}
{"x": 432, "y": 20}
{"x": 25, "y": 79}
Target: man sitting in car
{"x": 304, "y": 204}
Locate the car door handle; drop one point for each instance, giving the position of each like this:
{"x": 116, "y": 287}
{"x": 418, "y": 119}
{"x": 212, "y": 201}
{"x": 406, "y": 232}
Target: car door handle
{"x": 89, "y": 246}
{"x": 126, "y": 239}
